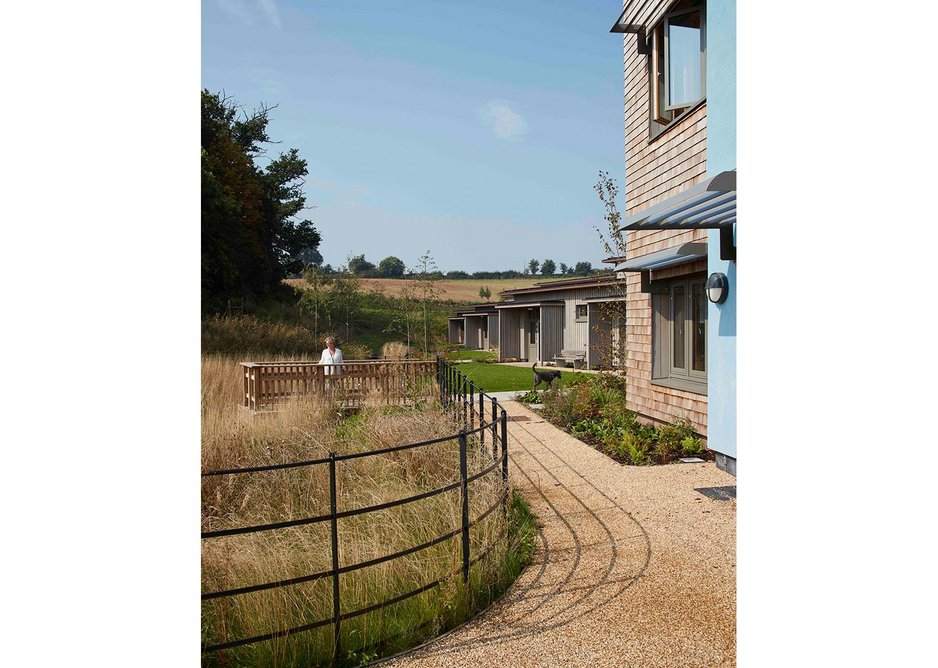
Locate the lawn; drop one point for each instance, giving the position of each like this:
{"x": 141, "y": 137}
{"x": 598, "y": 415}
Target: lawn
{"x": 474, "y": 355}
{"x": 500, "y": 378}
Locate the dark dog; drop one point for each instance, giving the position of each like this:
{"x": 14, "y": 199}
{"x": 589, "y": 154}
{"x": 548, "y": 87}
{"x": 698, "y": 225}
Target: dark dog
{"x": 543, "y": 377}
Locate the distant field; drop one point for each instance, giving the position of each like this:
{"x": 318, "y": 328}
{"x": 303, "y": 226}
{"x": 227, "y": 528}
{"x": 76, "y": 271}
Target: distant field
{"x": 463, "y": 290}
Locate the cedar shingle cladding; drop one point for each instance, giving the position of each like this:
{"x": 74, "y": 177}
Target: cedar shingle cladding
{"x": 673, "y": 162}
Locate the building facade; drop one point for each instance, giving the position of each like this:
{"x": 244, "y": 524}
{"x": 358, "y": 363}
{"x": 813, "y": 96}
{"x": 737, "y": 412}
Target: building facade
{"x": 680, "y": 206}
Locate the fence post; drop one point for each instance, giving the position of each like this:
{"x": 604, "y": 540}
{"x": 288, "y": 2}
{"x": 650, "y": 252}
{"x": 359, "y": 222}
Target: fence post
{"x": 505, "y": 459}
{"x": 472, "y": 405}
{"x": 482, "y": 423}
{"x": 464, "y": 476}
{"x": 465, "y": 411}
{"x": 494, "y": 429}
{"x": 336, "y": 607}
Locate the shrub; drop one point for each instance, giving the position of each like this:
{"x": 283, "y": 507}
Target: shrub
{"x": 635, "y": 448}
{"x": 394, "y": 350}
{"x": 529, "y": 397}
{"x": 692, "y": 446}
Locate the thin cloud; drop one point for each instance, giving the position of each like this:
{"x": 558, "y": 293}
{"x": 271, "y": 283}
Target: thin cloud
{"x": 236, "y": 9}
{"x": 265, "y": 79}
{"x": 504, "y": 121}
{"x": 241, "y": 11}
{"x": 269, "y": 7}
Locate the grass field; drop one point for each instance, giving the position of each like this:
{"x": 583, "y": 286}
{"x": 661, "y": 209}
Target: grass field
{"x": 463, "y": 290}
{"x": 308, "y": 429}
{"x": 500, "y": 378}
{"x": 474, "y": 355}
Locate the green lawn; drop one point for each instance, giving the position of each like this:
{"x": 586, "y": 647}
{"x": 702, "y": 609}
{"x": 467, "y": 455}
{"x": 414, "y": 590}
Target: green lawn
{"x": 475, "y": 355}
{"x": 498, "y": 378}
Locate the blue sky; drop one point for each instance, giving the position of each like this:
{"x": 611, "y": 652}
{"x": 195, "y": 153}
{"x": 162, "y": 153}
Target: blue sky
{"x": 474, "y": 130}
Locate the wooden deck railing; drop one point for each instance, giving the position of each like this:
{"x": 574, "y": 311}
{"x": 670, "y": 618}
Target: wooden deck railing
{"x": 385, "y": 381}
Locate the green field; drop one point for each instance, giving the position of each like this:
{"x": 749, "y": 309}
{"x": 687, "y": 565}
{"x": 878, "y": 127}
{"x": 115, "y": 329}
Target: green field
{"x": 474, "y": 355}
{"x": 500, "y": 378}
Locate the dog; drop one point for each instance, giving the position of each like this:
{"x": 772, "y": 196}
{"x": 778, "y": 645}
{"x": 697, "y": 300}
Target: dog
{"x": 543, "y": 377}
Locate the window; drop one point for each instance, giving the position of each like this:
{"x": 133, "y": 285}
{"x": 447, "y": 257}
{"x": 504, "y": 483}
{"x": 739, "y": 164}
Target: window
{"x": 581, "y": 312}
{"x": 679, "y": 355}
{"x": 678, "y": 63}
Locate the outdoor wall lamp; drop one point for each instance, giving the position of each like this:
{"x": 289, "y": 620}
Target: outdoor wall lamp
{"x": 717, "y": 288}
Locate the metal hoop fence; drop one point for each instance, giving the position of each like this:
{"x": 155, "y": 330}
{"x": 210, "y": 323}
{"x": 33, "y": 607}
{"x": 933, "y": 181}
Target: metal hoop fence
{"x": 468, "y": 406}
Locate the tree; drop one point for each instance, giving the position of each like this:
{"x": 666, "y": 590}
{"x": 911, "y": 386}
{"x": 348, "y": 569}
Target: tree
{"x": 563, "y": 268}
{"x": 358, "y": 265}
{"x": 250, "y": 238}
{"x": 548, "y": 267}
{"x": 316, "y": 295}
{"x": 391, "y": 267}
{"x": 485, "y": 293}
{"x": 532, "y": 267}
{"x": 426, "y": 289}
{"x": 583, "y": 269}
{"x": 311, "y": 257}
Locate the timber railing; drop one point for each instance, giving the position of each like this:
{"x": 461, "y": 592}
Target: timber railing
{"x": 384, "y": 381}
{"x": 478, "y": 418}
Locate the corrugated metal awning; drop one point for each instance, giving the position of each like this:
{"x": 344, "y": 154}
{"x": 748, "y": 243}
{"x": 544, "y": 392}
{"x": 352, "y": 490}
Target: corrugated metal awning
{"x": 666, "y": 258}
{"x": 707, "y": 205}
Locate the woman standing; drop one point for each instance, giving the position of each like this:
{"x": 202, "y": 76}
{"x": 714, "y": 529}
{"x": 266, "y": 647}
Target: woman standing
{"x": 331, "y": 357}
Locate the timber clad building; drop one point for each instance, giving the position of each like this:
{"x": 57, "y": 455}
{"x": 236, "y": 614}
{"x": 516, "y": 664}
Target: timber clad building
{"x": 575, "y": 321}
{"x": 680, "y": 191}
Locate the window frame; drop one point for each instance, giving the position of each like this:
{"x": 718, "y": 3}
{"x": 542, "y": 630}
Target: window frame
{"x": 585, "y": 316}
{"x": 664, "y": 372}
{"x": 660, "y": 119}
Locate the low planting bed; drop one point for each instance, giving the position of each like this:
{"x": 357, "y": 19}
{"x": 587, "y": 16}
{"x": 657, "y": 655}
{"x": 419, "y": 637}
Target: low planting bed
{"x": 592, "y": 408}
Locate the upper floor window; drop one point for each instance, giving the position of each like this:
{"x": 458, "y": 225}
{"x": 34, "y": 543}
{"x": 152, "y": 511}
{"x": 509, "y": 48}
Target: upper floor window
{"x": 678, "y": 63}
{"x": 581, "y": 312}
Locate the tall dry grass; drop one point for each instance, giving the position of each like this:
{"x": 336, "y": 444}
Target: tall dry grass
{"x": 308, "y": 429}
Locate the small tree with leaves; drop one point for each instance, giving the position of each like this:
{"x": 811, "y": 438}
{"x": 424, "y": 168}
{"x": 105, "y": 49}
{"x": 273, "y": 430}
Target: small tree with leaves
{"x": 563, "y": 269}
{"x": 427, "y": 291}
{"x": 614, "y": 246}
{"x": 485, "y": 293}
{"x": 548, "y": 268}
{"x": 532, "y": 267}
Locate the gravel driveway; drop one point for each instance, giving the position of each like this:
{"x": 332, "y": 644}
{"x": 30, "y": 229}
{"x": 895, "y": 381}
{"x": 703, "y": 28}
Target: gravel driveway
{"x": 632, "y": 568}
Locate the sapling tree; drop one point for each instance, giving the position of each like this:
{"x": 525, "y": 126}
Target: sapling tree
{"x": 612, "y": 313}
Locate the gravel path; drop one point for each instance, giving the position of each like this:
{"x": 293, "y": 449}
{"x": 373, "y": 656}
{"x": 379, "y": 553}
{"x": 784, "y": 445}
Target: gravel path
{"x": 633, "y": 567}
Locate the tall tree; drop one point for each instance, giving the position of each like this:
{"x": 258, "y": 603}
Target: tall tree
{"x": 548, "y": 268}
{"x": 391, "y": 267}
{"x": 250, "y": 237}
{"x": 563, "y": 268}
{"x": 358, "y": 265}
{"x": 532, "y": 266}
{"x": 583, "y": 269}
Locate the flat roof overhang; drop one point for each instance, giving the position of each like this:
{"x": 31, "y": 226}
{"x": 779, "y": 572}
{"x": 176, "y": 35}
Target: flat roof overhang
{"x": 710, "y": 204}
{"x": 670, "y": 257}
{"x": 551, "y": 302}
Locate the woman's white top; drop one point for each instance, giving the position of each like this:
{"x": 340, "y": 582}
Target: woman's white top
{"x": 330, "y": 358}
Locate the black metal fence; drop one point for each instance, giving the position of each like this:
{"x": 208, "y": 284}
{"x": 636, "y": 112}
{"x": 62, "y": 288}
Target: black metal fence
{"x": 469, "y": 407}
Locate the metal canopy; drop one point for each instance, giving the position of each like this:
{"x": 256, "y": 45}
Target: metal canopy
{"x": 667, "y": 258}
{"x": 707, "y": 205}
{"x": 553, "y": 302}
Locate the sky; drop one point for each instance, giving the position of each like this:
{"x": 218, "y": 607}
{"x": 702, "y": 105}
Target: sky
{"x": 473, "y": 130}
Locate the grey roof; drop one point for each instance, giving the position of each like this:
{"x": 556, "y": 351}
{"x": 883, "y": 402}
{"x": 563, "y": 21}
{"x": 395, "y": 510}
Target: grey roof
{"x": 710, "y": 204}
{"x": 666, "y": 258}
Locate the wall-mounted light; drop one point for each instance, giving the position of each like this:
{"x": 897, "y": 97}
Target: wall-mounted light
{"x": 717, "y": 288}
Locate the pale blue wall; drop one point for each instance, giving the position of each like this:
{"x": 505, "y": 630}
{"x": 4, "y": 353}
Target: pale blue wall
{"x": 721, "y": 156}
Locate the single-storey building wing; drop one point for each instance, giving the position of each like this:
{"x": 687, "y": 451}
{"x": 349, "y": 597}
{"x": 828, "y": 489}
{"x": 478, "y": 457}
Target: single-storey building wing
{"x": 575, "y": 321}
{"x": 475, "y": 328}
